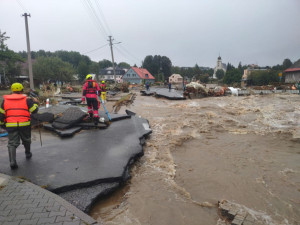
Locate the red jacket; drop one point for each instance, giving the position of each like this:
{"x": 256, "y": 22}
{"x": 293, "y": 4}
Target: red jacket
{"x": 91, "y": 89}
{"x": 103, "y": 87}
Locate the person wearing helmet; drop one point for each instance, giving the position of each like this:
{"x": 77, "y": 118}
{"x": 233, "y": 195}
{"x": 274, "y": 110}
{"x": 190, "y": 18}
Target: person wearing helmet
{"x": 91, "y": 91}
{"x": 103, "y": 91}
{"x": 15, "y": 113}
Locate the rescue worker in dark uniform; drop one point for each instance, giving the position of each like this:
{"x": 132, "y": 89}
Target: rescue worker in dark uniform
{"x": 103, "y": 91}
{"x": 15, "y": 113}
{"x": 91, "y": 91}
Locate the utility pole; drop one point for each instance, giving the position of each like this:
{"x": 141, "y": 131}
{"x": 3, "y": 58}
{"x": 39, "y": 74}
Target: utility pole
{"x": 112, "y": 56}
{"x": 28, "y": 52}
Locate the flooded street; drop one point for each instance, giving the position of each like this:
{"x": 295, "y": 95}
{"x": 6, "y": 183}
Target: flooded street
{"x": 245, "y": 150}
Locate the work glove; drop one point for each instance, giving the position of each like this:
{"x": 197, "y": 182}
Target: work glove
{"x": 83, "y": 100}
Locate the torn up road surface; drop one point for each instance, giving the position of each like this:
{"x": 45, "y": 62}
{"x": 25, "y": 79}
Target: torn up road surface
{"x": 93, "y": 161}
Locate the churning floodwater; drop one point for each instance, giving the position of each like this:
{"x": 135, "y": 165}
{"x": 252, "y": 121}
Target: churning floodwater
{"x": 245, "y": 150}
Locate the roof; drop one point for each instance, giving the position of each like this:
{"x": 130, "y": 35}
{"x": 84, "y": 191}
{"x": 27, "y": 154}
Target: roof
{"x": 142, "y": 72}
{"x": 176, "y": 75}
{"x": 294, "y": 67}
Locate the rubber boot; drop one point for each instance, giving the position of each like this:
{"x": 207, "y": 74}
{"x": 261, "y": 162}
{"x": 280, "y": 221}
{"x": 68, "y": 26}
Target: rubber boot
{"x": 12, "y": 158}
{"x": 96, "y": 120}
{"x": 27, "y": 151}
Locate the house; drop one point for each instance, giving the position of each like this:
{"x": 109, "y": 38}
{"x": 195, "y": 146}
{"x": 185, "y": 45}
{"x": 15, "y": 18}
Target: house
{"x": 219, "y": 66}
{"x": 136, "y": 75}
{"x": 247, "y": 73}
{"x": 108, "y": 74}
{"x": 175, "y": 79}
{"x": 292, "y": 74}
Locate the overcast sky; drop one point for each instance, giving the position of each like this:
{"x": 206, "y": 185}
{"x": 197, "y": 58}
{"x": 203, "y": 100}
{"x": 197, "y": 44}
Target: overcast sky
{"x": 264, "y": 32}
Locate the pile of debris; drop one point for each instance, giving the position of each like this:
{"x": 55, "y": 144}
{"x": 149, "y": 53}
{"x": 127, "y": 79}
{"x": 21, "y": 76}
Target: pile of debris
{"x": 194, "y": 90}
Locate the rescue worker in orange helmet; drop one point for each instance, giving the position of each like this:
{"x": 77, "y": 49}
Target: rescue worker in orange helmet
{"x": 91, "y": 91}
{"x": 15, "y": 113}
{"x": 103, "y": 91}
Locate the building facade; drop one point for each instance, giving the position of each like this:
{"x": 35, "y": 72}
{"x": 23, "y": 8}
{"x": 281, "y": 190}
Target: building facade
{"x": 219, "y": 66}
{"x": 107, "y": 74}
{"x": 136, "y": 75}
{"x": 292, "y": 74}
{"x": 175, "y": 79}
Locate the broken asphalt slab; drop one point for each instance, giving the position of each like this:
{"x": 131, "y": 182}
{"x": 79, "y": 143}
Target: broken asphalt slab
{"x": 165, "y": 93}
{"x": 91, "y": 157}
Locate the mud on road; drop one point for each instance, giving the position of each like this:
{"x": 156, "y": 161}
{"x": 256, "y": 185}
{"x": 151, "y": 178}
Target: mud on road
{"x": 242, "y": 149}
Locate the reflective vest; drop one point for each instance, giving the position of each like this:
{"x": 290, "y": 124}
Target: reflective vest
{"x": 16, "y": 110}
{"x": 91, "y": 87}
{"x": 103, "y": 87}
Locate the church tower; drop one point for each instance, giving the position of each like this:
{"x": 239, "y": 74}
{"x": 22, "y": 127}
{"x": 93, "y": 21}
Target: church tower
{"x": 219, "y": 66}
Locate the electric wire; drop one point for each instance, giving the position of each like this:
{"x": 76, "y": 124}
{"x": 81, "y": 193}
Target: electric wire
{"x": 128, "y": 53}
{"x": 96, "y": 16}
{"x": 21, "y": 5}
{"x": 130, "y": 59}
{"x": 93, "y": 18}
{"x": 95, "y": 49}
{"x": 103, "y": 17}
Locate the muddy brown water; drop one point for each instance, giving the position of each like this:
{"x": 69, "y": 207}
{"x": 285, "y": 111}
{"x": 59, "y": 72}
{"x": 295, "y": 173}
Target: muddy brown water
{"x": 242, "y": 149}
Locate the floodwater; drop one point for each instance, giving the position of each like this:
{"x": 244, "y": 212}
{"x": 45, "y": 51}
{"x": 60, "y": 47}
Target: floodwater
{"x": 245, "y": 150}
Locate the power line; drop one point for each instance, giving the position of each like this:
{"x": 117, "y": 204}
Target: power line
{"x": 130, "y": 54}
{"x": 93, "y": 14}
{"x": 96, "y": 49}
{"x": 124, "y": 55}
{"x": 103, "y": 17}
{"x": 21, "y": 5}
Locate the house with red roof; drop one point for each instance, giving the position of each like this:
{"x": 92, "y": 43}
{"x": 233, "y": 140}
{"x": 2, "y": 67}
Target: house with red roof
{"x": 292, "y": 74}
{"x": 136, "y": 75}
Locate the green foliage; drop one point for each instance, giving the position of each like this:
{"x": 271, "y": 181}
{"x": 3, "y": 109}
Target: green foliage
{"x": 83, "y": 70}
{"x": 104, "y": 64}
{"x": 263, "y": 77}
{"x": 8, "y": 59}
{"x": 220, "y": 74}
{"x": 124, "y": 65}
{"x": 204, "y": 78}
{"x": 94, "y": 68}
{"x": 286, "y": 64}
{"x": 158, "y": 64}
{"x": 52, "y": 68}
{"x": 232, "y": 76}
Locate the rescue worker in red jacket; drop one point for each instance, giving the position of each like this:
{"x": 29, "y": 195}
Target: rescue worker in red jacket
{"x": 15, "y": 113}
{"x": 103, "y": 91}
{"x": 91, "y": 91}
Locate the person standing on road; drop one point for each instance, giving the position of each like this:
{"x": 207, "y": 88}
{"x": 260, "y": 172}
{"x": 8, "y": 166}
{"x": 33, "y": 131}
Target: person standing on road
{"x": 103, "y": 91}
{"x": 147, "y": 86}
{"x": 90, "y": 91}
{"x": 15, "y": 116}
{"x": 170, "y": 86}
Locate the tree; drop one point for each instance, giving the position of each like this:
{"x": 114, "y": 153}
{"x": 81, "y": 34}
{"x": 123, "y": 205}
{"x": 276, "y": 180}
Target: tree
{"x": 220, "y": 74}
{"x": 8, "y": 58}
{"x": 104, "y": 64}
{"x": 124, "y": 65}
{"x": 83, "y": 70}
{"x": 52, "y": 68}
{"x": 94, "y": 68}
{"x": 232, "y": 76}
{"x": 166, "y": 66}
{"x": 263, "y": 77}
{"x": 204, "y": 78}
{"x": 158, "y": 64}
{"x": 286, "y": 64}
{"x": 197, "y": 70}
{"x": 229, "y": 67}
